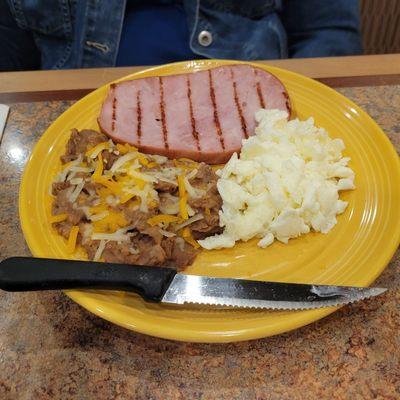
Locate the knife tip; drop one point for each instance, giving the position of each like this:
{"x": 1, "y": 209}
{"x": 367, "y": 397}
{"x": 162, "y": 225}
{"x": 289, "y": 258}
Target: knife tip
{"x": 376, "y": 291}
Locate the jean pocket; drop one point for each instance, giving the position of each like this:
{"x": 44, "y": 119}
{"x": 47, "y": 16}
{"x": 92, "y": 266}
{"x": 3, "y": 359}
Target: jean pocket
{"x": 48, "y": 17}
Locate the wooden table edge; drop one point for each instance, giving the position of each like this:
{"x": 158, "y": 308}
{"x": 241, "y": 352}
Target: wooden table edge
{"x": 350, "y": 71}
{"x": 76, "y": 94}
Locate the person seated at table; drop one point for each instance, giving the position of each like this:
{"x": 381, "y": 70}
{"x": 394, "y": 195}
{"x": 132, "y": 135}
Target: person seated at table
{"x": 45, "y": 34}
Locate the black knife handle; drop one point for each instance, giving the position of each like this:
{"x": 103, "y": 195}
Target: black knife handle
{"x": 28, "y": 273}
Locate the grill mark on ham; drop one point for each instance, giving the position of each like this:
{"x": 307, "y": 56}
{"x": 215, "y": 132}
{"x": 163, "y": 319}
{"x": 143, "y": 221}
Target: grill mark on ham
{"x": 260, "y": 96}
{"x": 166, "y": 118}
{"x": 259, "y": 91}
{"x": 216, "y": 118}
{"x": 114, "y": 111}
{"x": 287, "y": 102}
{"x": 192, "y": 119}
{"x": 238, "y": 106}
{"x": 162, "y": 110}
{"x": 139, "y": 117}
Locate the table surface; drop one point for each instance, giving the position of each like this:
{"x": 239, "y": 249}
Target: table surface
{"x": 52, "y": 348}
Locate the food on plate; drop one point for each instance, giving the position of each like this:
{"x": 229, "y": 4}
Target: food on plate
{"x": 285, "y": 183}
{"x": 127, "y": 207}
{"x": 202, "y": 115}
{"x": 148, "y": 197}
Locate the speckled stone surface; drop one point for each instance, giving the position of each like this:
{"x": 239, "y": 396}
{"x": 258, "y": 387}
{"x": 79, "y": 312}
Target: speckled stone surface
{"x": 50, "y": 348}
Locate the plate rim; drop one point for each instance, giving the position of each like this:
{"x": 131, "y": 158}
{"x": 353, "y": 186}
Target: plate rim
{"x": 304, "y": 317}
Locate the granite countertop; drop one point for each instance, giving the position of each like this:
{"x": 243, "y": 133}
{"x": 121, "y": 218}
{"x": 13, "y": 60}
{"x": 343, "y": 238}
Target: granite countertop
{"x": 52, "y": 348}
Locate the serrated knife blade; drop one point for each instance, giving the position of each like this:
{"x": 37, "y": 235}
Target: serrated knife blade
{"x": 165, "y": 285}
{"x": 186, "y": 289}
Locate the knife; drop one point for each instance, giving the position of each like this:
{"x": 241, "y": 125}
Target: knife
{"x": 165, "y": 285}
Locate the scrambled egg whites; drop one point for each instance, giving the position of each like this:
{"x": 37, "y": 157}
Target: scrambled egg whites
{"x": 285, "y": 183}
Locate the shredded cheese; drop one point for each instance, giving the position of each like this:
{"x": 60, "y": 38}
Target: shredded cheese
{"x": 143, "y": 160}
{"x": 140, "y": 183}
{"x": 159, "y": 159}
{"x": 181, "y": 185}
{"x": 190, "y": 210}
{"x": 143, "y": 202}
{"x": 185, "y": 163}
{"x": 58, "y": 218}
{"x": 130, "y": 148}
{"x": 126, "y": 197}
{"x": 121, "y": 148}
{"x": 99, "y": 217}
{"x": 73, "y": 235}
{"x": 96, "y": 150}
{"x": 98, "y": 172}
{"x": 162, "y": 219}
{"x": 164, "y": 179}
{"x": 142, "y": 176}
{"x": 111, "y": 200}
{"x": 182, "y": 198}
{"x": 192, "y": 174}
{"x": 167, "y": 233}
{"x": 71, "y": 175}
{"x": 66, "y": 169}
{"x": 144, "y": 195}
{"x": 183, "y": 207}
{"x": 98, "y": 209}
{"x": 192, "y": 191}
{"x": 111, "y": 222}
{"x": 115, "y": 237}
{"x": 131, "y": 177}
{"x": 73, "y": 163}
{"x": 100, "y": 250}
{"x": 81, "y": 169}
{"x": 125, "y": 148}
{"x": 187, "y": 235}
{"x": 115, "y": 187}
{"x": 76, "y": 181}
{"x": 170, "y": 205}
{"x": 85, "y": 209}
{"x": 122, "y": 161}
{"x": 76, "y": 192}
{"x": 120, "y": 235}
{"x": 191, "y": 220}
{"x": 153, "y": 203}
{"x": 86, "y": 231}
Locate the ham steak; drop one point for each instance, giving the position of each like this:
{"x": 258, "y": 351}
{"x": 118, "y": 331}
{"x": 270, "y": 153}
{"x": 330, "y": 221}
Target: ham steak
{"x": 202, "y": 115}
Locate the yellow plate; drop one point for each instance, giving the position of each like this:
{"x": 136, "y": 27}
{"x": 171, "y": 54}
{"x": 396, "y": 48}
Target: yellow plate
{"x": 354, "y": 253}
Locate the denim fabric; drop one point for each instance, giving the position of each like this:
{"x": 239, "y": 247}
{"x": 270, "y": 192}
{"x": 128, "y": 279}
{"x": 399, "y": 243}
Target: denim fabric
{"x": 72, "y": 33}
{"x": 153, "y": 17}
{"x": 246, "y": 30}
{"x": 86, "y": 33}
{"x": 16, "y": 44}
